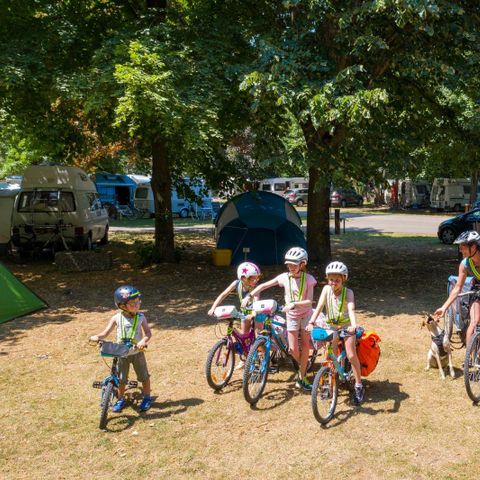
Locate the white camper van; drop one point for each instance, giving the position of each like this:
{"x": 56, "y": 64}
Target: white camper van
{"x": 8, "y": 193}
{"x": 280, "y": 184}
{"x": 450, "y": 193}
{"x": 58, "y": 207}
{"x": 414, "y": 193}
{"x": 181, "y": 206}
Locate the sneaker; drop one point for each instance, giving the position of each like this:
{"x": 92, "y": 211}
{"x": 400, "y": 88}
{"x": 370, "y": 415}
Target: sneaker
{"x": 304, "y": 384}
{"x": 146, "y": 403}
{"x": 119, "y": 405}
{"x": 240, "y": 365}
{"x": 359, "y": 394}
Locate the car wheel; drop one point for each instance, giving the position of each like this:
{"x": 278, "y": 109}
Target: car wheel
{"x": 183, "y": 213}
{"x": 343, "y": 203}
{"x": 300, "y": 203}
{"x": 447, "y": 235}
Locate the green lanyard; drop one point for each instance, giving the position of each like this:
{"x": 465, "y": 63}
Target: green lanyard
{"x": 240, "y": 297}
{"x": 474, "y": 270}
{"x": 331, "y": 317}
{"x": 301, "y": 289}
{"x": 133, "y": 330}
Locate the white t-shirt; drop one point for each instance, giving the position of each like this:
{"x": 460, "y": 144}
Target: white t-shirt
{"x": 124, "y": 326}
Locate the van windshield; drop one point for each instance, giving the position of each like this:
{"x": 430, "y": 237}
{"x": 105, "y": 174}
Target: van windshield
{"x": 46, "y": 201}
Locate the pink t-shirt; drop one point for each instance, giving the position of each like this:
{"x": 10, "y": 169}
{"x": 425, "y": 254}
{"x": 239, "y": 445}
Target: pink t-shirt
{"x": 291, "y": 286}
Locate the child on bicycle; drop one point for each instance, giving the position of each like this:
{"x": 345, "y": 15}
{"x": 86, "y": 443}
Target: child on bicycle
{"x": 468, "y": 243}
{"x": 339, "y": 302}
{"x": 248, "y": 275}
{"x": 298, "y": 286}
{"x": 130, "y": 323}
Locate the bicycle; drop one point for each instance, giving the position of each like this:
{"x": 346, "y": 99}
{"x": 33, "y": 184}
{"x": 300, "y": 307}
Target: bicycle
{"x": 109, "y": 385}
{"x": 221, "y": 357}
{"x": 471, "y": 366}
{"x": 334, "y": 370}
{"x": 270, "y": 347}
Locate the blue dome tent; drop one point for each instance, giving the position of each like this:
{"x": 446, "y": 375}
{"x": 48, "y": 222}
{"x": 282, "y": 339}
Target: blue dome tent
{"x": 263, "y": 222}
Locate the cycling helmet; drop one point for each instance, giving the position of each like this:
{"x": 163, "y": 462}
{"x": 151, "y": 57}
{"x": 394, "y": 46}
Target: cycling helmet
{"x": 247, "y": 269}
{"x": 125, "y": 293}
{"x": 470, "y": 236}
{"x": 337, "y": 267}
{"x": 296, "y": 255}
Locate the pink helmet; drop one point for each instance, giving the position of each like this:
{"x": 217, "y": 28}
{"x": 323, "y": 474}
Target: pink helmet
{"x": 247, "y": 269}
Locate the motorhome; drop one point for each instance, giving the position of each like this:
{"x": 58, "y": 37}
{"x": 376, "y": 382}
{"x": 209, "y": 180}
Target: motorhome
{"x": 8, "y": 193}
{"x": 414, "y": 193}
{"x": 58, "y": 207}
{"x": 181, "y": 206}
{"x": 450, "y": 193}
{"x": 278, "y": 185}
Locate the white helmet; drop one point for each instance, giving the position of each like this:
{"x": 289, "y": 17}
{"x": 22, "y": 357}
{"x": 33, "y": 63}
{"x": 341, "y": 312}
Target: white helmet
{"x": 470, "y": 236}
{"x": 247, "y": 269}
{"x": 296, "y": 255}
{"x": 337, "y": 267}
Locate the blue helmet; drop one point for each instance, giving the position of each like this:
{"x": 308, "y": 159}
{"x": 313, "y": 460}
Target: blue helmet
{"x": 125, "y": 293}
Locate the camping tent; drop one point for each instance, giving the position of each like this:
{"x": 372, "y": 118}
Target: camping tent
{"x": 16, "y": 299}
{"x": 262, "y": 222}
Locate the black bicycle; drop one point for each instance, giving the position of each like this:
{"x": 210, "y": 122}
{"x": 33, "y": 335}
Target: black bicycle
{"x": 471, "y": 366}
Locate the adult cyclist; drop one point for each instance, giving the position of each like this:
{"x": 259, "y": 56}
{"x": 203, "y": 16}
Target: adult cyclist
{"x": 468, "y": 245}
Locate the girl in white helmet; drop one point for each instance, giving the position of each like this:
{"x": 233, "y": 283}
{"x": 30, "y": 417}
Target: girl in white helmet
{"x": 339, "y": 302}
{"x": 468, "y": 244}
{"x": 298, "y": 286}
{"x": 248, "y": 275}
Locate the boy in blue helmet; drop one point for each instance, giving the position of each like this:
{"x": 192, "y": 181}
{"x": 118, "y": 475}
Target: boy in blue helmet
{"x": 130, "y": 323}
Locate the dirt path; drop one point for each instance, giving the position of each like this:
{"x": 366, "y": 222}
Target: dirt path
{"x": 412, "y": 425}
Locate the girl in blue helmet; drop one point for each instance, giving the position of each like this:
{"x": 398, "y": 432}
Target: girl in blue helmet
{"x": 132, "y": 330}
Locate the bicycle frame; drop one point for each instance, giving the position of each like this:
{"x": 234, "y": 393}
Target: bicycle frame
{"x": 337, "y": 361}
{"x": 233, "y": 336}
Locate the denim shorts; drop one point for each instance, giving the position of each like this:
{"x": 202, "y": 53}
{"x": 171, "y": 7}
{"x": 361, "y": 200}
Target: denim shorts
{"x": 297, "y": 324}
{"x": 139, "y": 363}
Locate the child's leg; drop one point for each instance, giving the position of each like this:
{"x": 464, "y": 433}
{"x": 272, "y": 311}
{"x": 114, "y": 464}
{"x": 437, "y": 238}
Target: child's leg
{"x": 351, "y": 349}
{"x": 140, "y": 366}
{"x": 123, "y": 369}
{"x": 293, "y": 345}
{"x": 121, "y": 390}
{"x": 146, "y": 387}
{"x": 245, "y": 326}
{"x": 304, "y": 352}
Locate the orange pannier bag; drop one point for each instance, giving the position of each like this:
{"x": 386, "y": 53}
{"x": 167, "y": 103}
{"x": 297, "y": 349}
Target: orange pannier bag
{"x": 368, "y": 352}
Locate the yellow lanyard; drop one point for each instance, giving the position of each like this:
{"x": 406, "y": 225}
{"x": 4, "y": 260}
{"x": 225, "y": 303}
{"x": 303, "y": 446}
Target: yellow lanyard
{"x": 474, "y": 270}
{"x": 301, "y": 289}
{"x": 133, "y": 330}
{"x": 331, "y": 316}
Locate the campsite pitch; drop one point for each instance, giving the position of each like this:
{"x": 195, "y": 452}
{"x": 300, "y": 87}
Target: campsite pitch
{"x": 412, "y": 425}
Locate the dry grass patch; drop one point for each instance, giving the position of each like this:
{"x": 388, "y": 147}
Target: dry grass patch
{"x": 412, "y": 425}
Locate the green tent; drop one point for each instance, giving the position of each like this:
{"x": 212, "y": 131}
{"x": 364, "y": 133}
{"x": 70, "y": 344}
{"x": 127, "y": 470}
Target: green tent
{"x": 16, "y": 299}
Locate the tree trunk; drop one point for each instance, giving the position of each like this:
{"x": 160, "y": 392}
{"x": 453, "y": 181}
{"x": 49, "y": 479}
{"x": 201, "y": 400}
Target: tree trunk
{"x": 161, "y": 186}
{"x": 473, "y": 186}
{"x": 318, "y": 217}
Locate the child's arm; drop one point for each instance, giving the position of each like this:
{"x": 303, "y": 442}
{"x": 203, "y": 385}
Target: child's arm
{"x": 222, "y": 297}
{"x": 351, "y": 313}
{"x": 320, "y": 306}
{"x": 462, "y": 276}
{"x": 102, "y": 335}
{"x": 302, "y": 303}
{"x": 257, "y": 290}
{"x": 147, "y": 334}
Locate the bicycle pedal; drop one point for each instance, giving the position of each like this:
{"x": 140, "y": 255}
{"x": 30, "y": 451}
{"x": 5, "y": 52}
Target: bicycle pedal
{"x": 132, "y": 384}
{"x": 97, "y": 384}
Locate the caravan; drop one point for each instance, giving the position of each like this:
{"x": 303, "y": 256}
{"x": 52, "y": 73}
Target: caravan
{"x": 8, "y": 193}
{"x": 414, "y": 193}
{"x": 58, "y": 207}
{"x": 450, "y": 193}
{"x": 181, "y": 206}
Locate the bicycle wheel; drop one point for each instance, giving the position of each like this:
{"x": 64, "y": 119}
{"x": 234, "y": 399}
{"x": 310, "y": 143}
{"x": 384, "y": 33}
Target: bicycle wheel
{"x": 311, "y": 359}
{"x": 325, "y": 394}
{"x": 471, "y": 368}
{"x": 220, "y": 364}
{"x": 108, "y": 393}
{"x": 256, "y": 371}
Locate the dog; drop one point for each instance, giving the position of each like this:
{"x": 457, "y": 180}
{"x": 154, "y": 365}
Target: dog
{"x": 440, "y": 353}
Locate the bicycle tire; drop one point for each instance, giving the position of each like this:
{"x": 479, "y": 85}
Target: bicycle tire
{"x": 325, "y": 394}
{"x": 223, "y": 364}
{"x": 108, "y": 393}
{"x": 256, "y": 371}
{"x": 471, "y": 368}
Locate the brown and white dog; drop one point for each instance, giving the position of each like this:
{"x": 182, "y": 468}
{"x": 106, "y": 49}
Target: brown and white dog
{"x": 440, "y": 353}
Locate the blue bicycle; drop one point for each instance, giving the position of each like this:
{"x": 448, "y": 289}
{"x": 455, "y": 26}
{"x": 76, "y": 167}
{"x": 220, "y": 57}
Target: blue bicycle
{"x": 270, "y": 347}
{"x": 335, "y": 369}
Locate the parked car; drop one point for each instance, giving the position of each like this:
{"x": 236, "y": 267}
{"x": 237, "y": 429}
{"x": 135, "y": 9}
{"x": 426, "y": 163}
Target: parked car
{"x": 344, "y": 197}
{"x": 450, "y": 229}
{"x": 297, "y": 196}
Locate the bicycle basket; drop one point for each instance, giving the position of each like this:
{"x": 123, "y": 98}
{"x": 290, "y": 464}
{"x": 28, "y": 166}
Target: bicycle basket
{"x": 111, "y": 349}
